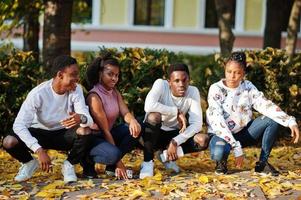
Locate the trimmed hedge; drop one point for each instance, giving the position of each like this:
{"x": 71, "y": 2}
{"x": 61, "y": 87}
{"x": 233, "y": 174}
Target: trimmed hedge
{"x": 19, "y": 73}
{"x": 271, "y": 71}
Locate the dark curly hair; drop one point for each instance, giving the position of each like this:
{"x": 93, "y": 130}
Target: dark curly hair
{"x": 60, "y": 63}
{"x": 97, "y": 65}
{"x": 240, "y": 58}
{"x": 178, "y": 67}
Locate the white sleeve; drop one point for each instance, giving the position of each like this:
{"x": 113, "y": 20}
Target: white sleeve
{"x": 195, "y": 119}
{"x": 216, "y": 120}
{"x": 152, "y": 103}
{"x": 269, "y": 109}
{"x": 24, "y": 120}
{"x": 80, "y": 106}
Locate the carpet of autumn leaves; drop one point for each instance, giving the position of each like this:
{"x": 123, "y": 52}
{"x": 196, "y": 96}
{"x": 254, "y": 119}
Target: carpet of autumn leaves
{"x": 195, "y": 181}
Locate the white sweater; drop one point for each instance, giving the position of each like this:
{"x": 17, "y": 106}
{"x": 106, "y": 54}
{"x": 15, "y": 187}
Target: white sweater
{"x": 230, "y": 110}
{"x": 43, "y": 108}
{"x": 160, "y": 99}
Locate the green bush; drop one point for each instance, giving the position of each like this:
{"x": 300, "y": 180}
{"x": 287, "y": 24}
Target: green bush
{"x": 278, "y": 77}
{"x": 19, "y": 73}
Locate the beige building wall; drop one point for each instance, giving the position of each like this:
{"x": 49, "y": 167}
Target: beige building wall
{"x": 114, "y": 12}
{"x": 253, "y": 15}
{"x": 185, "y": 13}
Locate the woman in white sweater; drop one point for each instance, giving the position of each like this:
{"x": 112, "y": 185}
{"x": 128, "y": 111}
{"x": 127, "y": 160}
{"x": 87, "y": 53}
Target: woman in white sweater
{"x": 230, "y": 122}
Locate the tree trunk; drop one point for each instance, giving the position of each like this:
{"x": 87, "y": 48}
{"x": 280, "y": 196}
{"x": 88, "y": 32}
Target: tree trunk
{"x": 57, "y": 29}
{"x": 292, "y": 29}
{"x": 31, "y": 31}
{"x": 224, "y": 16}
{"x": 273, "y": 24}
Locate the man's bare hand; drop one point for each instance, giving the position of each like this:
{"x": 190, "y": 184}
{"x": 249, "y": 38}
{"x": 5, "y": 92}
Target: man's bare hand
{"x": 44, "y": 160}
{"x": 72, "y": 121}
{"x": 172, "y": 152}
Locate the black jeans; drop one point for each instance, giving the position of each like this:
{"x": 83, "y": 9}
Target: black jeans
{"x": 157, "y": 139}
{"x": 63, "y": 139}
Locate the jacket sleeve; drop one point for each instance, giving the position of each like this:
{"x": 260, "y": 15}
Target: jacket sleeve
{"x": 216, "y": 121}
{"x": 152, "y": 103}
{"x": 195, "y": 119}
{"x": 268, "y": 108}
{"x": 24, "y": 120}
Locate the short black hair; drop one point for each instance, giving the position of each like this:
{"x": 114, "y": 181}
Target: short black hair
{"x": 240, "y": 58}
{"x": 61, "y": 62}
{"x": 178, "y": 67}
{"x": 97, "y": 65}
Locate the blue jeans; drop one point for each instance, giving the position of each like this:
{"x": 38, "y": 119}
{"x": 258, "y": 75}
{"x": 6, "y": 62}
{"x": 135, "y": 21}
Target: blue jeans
{"x": 109, "y": 154}
{"x": 261, "y": 128}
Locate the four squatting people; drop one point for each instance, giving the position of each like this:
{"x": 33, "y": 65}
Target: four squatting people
{"x": 56, "y": 115}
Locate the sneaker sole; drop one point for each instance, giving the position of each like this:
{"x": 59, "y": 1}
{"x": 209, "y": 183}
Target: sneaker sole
{"x": 145, "y": 176}
{"x": 70, "y": 181}
{"x": 267, "y": 174}
{"x": 220, "y": 173}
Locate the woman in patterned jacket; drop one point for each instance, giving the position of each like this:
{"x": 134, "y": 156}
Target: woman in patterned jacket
{"x": 230, "y": 122}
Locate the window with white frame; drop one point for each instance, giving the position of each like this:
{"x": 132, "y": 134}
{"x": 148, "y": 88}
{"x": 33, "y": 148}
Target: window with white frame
{"x": 149, "y": 12}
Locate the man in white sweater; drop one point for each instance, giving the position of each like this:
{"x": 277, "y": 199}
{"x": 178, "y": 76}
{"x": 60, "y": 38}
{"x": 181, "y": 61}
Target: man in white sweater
{"x": 53, "y": 116}
{"x": 167, "y": 105}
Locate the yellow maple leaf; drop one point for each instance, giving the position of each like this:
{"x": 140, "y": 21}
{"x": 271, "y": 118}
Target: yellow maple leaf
{"x": 204, "y": 179}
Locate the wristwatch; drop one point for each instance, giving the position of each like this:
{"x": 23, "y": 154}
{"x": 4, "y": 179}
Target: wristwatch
{"x": 174, "y": 142}
{"x": 83, "y": 119}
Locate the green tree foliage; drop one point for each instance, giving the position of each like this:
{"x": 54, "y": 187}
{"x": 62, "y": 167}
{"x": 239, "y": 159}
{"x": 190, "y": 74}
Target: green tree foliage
{"x": 13, "y": 13}
{"x": 21, "y": 13}
{"x": 82, "y": 11}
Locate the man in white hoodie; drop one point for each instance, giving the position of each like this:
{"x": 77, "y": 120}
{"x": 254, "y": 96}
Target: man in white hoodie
{"x": 53, "y": 116}
{"x": 167, "y": 105}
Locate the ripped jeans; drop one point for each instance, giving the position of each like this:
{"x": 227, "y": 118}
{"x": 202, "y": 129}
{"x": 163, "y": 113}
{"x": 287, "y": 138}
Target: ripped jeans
{"x": 261, "y": 128}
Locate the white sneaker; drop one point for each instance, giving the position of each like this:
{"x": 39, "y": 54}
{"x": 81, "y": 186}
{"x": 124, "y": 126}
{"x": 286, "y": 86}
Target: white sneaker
{"x": 172, "y": 165}
{"x": 26, "y": 170}
{"x": 147, "y": 169}
{"x": 68, "y": 172}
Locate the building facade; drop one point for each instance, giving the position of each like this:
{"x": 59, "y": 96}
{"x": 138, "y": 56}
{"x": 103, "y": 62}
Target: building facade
{"x": 177, "y": 25}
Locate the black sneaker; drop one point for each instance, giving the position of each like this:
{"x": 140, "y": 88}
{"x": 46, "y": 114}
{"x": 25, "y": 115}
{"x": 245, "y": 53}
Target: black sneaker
{"x": 88, "y": 168}
{"x": 89, "y": 172}
{"x": 221, "y": 167}
{"x": 266, "y": 168}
